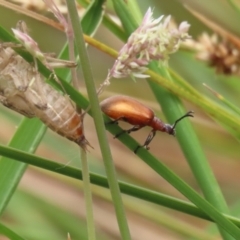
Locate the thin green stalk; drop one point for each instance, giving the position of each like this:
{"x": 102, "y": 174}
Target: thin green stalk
{"x": 132, "y": 190}
{"x": 27, "y": 138}
{"x": 172, "y": 108}
{"x": 114, "y": 28}
{"x": 9, "y": 233}
{"x": 234, "y": 5}
{"x": 85, "y": 171}
{"x": 98, "y": 120}
{"x": 227, "y": 103}
{"x": 225, "y": 117}
{"x": 184, "y": 84}
{"x": 87, "y": 196}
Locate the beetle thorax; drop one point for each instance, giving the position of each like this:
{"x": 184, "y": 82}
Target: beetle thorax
{"x": 159, "y": 125}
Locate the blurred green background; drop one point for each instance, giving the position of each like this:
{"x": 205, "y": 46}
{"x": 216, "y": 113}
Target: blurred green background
{"x": 47, "y": 205}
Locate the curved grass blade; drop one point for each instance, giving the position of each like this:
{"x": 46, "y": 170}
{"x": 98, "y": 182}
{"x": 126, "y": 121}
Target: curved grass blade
{"x": 9, "y": 233}
{"x": 27, "y": 138}
{"x": 172, "y": 108}
{"x": 132, "y": 190}
{"x": 99, "y": 124}
{"x": 93, "y": 17}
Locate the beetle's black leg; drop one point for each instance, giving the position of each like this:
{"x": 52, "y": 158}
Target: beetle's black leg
{"x": 133, "y": 129}
{"x": 148, "y": 140}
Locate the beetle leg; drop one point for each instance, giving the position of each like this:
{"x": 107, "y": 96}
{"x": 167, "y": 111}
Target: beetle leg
{"x": 148, "y": 140}
{"x": 133, "y": 129}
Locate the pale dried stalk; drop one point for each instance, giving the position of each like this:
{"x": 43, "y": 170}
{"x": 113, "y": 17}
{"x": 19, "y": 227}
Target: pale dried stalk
{"x": 24, "y": 90}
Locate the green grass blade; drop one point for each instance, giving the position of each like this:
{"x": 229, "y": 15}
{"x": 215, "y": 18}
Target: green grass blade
{"x": 9, "y": 233}
{"x": 99, "y": 124}
{"x": 93, "y": 17}
{"x": 173, "y": 109}
{"x": 26, "y": 138}
{"x": 132, "y": 190}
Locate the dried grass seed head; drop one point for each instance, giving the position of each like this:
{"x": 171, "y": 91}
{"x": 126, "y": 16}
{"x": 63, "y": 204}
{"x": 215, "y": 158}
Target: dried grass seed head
{"x": 221, "y": 54}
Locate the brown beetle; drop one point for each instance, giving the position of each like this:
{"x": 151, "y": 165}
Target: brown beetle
{"x": 123, "y": 108}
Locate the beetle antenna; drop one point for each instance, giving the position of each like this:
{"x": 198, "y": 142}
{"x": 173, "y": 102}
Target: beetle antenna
{"x": 188, "y": 114}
